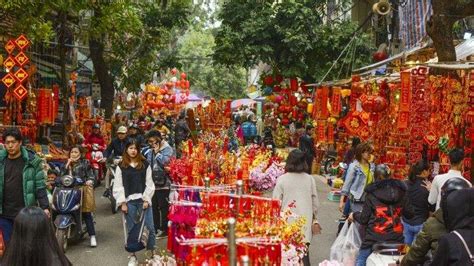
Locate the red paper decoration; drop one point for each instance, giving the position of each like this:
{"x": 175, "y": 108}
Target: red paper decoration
{"x": 21, "y": 75}
{"x": 336, "y": 104}
{"x": 21, "y": 59}
{"x": 22, "y": 42}
{"x": 45, "y": 106}
{"x": 10, "y": 46}
{"x": 374, "y": 104}
{"x": 20, "y": 92}
{"x": 405, "y": 91}
{"x": 9, "y": 63}
{"x": 8, "y": 80}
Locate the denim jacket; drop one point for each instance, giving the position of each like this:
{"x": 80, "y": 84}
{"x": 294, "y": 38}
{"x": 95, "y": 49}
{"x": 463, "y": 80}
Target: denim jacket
{"x": 356, "y": 180}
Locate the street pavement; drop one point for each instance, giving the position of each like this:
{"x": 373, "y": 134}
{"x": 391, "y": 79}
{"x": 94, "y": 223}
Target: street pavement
{"x": 110, "y": 237}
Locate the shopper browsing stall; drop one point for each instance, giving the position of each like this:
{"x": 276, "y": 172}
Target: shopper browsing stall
{"x": 158, "y": 155}
{"x": 306, "y": 145}
{"x": 133, "y": 190}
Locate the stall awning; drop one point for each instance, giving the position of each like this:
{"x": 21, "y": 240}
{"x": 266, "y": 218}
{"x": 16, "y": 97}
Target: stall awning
{"x": 463, "y": 50}
{"x": 390, "y": 59}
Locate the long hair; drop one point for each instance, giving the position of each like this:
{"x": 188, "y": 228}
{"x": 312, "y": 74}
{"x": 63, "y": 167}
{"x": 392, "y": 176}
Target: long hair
{"x": 296, "y": 162}
{"x": 76, "y": 147}
{"x": 361, "y": 148}
{"x": 33, "y": 241}
{"x": 126, "y": 159}
{"x": 417, "y": 169}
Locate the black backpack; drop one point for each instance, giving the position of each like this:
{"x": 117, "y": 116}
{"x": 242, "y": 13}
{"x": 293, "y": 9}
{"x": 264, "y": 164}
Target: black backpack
{"x": 158, "y": 172}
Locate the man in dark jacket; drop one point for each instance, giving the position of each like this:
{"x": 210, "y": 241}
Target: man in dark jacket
{"x": 117, "y": 146}
{"x": 457, "y": 248}
{"x": 22, "y": 181}
{"x": 181, "y": 132}
{"x": 382, "y": 212}
{"x": 433, "y": 229}
{"x": 307, "y": 146}
{"x": 135, "y": 134}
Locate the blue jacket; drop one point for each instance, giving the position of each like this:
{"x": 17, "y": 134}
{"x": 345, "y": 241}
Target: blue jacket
{"x": 356, "y": 180}
{"x": 249, "y": 129}
{"x": 116, "y": 147}
{"x": 163, "y": 157}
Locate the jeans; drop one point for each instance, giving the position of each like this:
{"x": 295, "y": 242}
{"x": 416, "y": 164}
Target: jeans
{"x": 6, "y": 227}
{"x": 134, "y": 207}
{"x": 160, "y": 205}
{"x": 410, "y": 232}
{"x": 87, "y": 217}
{"x": 363, "y": 255}
{"x": 347, "y": 208}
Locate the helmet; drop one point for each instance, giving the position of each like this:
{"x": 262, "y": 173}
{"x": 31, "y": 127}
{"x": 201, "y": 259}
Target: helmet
{"x": 96, "y": 126}
{"x": 381, "y": 172}
{"x": 449, "y": 186}
{"x": 135, "y": 126}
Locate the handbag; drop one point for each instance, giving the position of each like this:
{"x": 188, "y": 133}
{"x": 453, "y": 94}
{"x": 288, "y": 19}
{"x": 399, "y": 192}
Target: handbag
{"x": 88, "y": 199}
{"x": 158, "y": 173}
{"x": 137, "y": 238}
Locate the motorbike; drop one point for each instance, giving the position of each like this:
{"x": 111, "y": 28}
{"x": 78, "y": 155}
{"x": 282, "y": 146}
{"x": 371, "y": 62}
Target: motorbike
{"x": 111, "y": 174}
{"x": 329, "y": 159}
{"x": 67, "y": 202}
{"x": 386, "y": 254}
{"x": 95, "y": 156}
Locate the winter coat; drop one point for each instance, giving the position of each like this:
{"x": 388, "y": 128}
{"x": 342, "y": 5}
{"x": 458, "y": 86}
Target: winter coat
{"x": 384, "y": 205}
{"x": 34, "y": 186}
{"x": 418, "y": 198}
{"x": 181, "y": 131}
{"x": 82, "y": 169}
{"x": 356, "y": 180}
{"x": 459, "y": 217}
{"x": 163, "y": 157}
{"x": 95, "y": 139}
{"x": 426, "y": 240}
{"x": 116, "y": 147}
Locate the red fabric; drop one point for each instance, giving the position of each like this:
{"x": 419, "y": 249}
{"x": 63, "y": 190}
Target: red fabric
{"x": 94, "y": 139}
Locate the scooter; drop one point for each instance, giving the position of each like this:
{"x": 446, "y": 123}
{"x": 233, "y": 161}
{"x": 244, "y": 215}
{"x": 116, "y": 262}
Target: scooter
{"x": 386, "y": 254}
{"x": 111, "y": 174}
{"x": 95, "y": 157}
{"x": 67, "y": 202}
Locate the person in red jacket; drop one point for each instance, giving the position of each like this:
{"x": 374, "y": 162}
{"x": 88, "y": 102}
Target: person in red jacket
{"x": 95, "y": 137}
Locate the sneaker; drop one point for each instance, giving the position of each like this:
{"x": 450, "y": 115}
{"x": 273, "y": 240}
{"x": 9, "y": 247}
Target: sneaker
{"x": 161, "y": 235}
{"x": 93, "y": 242}
{"x": 106, "y": 193}
{"x": 132, "y": 260}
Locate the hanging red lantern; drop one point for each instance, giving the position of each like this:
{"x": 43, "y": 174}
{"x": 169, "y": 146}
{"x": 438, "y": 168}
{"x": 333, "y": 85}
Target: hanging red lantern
{"x": 183, "y": 75}
{"x": 268, "y": 80}
{"x": 374, "y": 104}
{"x": 174, "y": 71}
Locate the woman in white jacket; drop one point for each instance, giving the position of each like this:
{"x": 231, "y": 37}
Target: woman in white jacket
{"x": 298, "y": 189}
{"x": 133, "y": 190}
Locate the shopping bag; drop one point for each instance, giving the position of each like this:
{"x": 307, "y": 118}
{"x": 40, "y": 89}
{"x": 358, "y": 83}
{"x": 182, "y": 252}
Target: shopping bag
{"x": 346, "y": 246}
{"x": 137, "y": 237}
{"x": 88, "y": 199}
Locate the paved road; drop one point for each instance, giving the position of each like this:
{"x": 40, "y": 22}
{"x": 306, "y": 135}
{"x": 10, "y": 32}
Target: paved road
{"x": 110, "y": 235}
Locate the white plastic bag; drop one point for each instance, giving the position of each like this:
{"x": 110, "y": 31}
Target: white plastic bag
{"x": 346, "y": 246}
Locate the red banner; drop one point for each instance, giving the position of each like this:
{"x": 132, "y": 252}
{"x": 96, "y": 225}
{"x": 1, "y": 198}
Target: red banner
{"x": 330, "y": 133}
{"x": 336, "y": 104}
{"x": 403, "y": 120}
{"x": 323, "y": 104}
{"x": 45, "y": 106}
{"x": 405, "y": 91}
{"x": 321, "y": 131}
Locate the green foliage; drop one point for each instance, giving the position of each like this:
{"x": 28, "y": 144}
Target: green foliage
{"x": 194, "y": 52}
{"x": 290, "y": 36}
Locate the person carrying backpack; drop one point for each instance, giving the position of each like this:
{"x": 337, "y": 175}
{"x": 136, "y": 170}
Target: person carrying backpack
{"x": 457, "y": 247}
{"x": 158, "y": 155}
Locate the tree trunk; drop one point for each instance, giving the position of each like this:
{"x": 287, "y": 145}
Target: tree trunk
{"x": 102, "y": 72}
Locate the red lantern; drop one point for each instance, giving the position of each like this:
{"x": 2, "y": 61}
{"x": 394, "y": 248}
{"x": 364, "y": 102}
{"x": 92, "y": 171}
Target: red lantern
{"x": 174, "y": 71}
{"x": 268, "y": 80}
{"x": 183, "y": 75}
{"x": 374, "y": 104}
{"x": 178, "y": 84}
{"x": 379, "y": 56}
{"x": 187, "y": 85}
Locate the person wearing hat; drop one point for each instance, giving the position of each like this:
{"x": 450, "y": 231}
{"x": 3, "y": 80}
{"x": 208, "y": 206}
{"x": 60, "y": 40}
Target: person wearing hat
{"x": 134, "y": 133}
{"x": 117, "y": 146}
{"x": 95, "y": 137}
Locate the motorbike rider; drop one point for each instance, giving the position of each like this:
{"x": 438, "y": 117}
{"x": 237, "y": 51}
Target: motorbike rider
{"x": 115, "y": 148}
{"x": 95, "y": 137}
{"x": 158, "y": 155}
{"x": 381, "y": 214}
{"x": 78, "y": 167}
{"x": 134, "y": 133}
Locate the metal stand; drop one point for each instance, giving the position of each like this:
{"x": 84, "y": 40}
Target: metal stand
{"x": 232, "y": 246}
